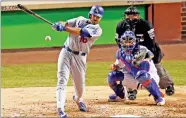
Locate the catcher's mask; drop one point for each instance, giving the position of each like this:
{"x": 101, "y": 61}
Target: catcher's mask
{"x": 132, "y": 15}
{"x": 131, "y": 11}
{"x": 128, "y": 41}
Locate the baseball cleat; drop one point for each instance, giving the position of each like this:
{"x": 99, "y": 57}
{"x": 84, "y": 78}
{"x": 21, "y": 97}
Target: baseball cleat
{"x": 62, "y": 114}
{"x": 170, "y": 90}
{"x": 114, "y": 98}
{"x": 160, "y": 101}
{"x": 132, "y": 94}
{"x": 81, "y": 105}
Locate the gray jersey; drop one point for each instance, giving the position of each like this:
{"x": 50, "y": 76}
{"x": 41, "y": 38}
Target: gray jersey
{"x": 78, "y": 43}
{"x": 69, "y": 62}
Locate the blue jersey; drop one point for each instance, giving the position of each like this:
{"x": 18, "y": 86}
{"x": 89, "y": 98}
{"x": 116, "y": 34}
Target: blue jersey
{"x": 127, "y": 59}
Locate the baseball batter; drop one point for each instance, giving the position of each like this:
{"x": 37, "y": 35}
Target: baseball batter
{"x": 137, "y": 60}
{"x": 83, "y": 33}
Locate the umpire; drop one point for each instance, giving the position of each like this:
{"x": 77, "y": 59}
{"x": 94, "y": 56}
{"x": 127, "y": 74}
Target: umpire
{"x": 144, "y": 32}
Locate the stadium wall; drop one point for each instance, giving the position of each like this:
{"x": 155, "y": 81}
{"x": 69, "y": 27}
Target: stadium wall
{"x": 166, "y": 18}
{"x": 20, "y": 30}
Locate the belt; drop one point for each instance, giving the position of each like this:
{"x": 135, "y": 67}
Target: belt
{"x": 74, "y": 52}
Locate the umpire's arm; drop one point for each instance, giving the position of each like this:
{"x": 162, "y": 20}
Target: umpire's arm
{"x": 150, "y": 35}
{"x": 118, "y": 34}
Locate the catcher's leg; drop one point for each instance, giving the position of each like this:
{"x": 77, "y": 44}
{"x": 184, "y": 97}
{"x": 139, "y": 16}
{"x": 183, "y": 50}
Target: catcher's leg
{"x": 166, "y": 81}
{"x": 63, "y": 76}
{"x": 78, "y": 68}
{"x": 145, "y": 79}
{"x": 132, "y": 84}
{"x": 115, "y": 79}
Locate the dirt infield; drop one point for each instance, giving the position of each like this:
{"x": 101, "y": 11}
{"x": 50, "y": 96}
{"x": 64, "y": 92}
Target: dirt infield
{"x": 40, "y": 102}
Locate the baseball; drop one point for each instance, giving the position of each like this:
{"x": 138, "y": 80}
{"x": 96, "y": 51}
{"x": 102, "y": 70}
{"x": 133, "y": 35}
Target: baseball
{"x": 48, "y": 38}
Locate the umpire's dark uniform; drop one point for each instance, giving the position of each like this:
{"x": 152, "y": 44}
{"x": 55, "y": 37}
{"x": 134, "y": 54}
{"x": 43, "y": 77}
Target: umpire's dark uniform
{"x": 145, "y": 34}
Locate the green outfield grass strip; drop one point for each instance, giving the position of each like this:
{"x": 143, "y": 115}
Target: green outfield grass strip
{"x": 44, "y": 75}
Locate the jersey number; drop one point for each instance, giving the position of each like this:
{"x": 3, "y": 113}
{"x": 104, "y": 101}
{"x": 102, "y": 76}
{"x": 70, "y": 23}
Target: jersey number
{"x": 83, "y": 39}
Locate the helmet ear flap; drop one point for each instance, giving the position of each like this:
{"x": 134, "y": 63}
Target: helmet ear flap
{"x": 89, "y": 15}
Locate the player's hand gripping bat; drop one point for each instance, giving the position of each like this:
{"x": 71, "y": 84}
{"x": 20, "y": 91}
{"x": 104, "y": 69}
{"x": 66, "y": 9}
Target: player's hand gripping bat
{"x": 23, "y": 8}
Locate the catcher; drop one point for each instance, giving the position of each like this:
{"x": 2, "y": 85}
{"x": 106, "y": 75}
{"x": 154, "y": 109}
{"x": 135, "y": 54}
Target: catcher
{"x": 144, "y": 32}
{"x": 133, "y": 62}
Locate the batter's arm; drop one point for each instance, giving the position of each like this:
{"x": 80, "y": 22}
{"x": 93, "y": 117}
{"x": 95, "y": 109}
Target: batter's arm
{"x": 64, "y": 26}
{"x": 72, "y": 30}
{"x": 75, "y": 30}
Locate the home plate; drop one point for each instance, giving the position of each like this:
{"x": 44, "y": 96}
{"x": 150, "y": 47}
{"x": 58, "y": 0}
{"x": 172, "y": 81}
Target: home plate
{"x": 126, "y": 115}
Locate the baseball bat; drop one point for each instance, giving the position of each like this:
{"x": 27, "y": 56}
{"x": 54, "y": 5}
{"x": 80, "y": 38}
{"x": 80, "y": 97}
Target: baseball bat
{"x": 23, "y": 8}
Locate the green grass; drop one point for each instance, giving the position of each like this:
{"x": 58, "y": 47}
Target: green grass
{"x": 44, "y": 75}
{"x": 177, "y": 69}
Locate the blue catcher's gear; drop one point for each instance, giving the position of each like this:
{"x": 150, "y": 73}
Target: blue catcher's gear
{"x": 128, "y": 41}
{"x": 97, "y": 11}
{"x": 150, "y": 84}
{"x": 113, "y": 77}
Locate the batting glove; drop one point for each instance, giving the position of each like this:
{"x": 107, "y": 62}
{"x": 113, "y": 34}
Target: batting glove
{"x": 59, "y": 27}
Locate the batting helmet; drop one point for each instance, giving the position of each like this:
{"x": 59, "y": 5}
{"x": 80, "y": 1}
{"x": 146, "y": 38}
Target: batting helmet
{"x": 131, "y": 11}
{"x": 97, "y": 11}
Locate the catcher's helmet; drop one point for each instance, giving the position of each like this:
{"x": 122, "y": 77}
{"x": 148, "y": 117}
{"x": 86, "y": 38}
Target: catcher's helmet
{"x": 128, "y": 40}
{"x": 97, "y": 11}
{"x": 131, "y": 11}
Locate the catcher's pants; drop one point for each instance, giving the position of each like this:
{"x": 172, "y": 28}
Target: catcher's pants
{"x": 165, "y": 78}
{"x": 76, "y": 64}
{"x": 131, "y": 83}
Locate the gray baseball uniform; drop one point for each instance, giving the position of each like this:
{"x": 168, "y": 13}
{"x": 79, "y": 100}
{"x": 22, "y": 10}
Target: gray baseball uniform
{"x": 72, "y": 59}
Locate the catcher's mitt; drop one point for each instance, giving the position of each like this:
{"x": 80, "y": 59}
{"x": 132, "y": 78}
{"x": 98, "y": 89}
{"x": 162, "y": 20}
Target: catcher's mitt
{"x": 139, "y": 56}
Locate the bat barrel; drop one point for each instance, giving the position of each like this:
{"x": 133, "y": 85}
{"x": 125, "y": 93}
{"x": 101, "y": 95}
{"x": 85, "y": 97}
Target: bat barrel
{"x": 32, "y": 13}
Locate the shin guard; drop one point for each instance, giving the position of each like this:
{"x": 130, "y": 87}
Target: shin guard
{"x": 149, "y": 84}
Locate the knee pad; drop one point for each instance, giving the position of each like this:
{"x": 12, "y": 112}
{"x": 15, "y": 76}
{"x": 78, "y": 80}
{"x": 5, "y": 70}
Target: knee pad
{"x": 144, "y": 65}
{"x": 143, "y": 77}
{"x": 114, "y": 76}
